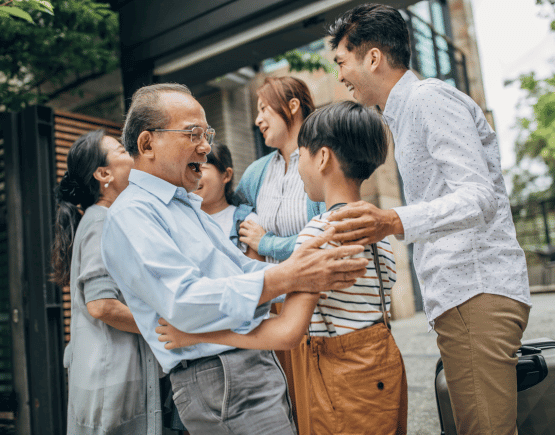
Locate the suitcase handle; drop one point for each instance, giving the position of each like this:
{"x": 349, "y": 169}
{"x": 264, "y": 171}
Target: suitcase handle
{"x": 529, "y": 350}
{"x": 530, "y": 370}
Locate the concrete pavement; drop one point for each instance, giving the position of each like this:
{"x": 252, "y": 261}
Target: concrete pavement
{"x": 420, "y": 353}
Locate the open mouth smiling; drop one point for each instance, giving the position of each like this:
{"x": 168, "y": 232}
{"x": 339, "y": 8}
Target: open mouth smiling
{"x": 195, "y": 166}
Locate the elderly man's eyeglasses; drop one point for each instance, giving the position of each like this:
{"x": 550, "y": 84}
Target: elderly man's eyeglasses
{"x": 196, "y": 134}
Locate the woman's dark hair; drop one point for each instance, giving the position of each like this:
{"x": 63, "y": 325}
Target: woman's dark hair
{"x": 220, "y": 157}
{"x": 356, "y": 135}
{"x": 278, "y": 91}
{"x": 373, "y": 25}
{"x": 78, "y": 187}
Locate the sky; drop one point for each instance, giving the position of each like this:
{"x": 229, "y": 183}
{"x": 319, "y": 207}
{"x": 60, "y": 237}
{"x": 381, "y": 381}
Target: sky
{"x": 513, "y": 38}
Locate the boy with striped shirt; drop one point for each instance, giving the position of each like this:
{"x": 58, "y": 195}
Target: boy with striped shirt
{"x": 342, "y": 311}
{"x": 340, "y": 146}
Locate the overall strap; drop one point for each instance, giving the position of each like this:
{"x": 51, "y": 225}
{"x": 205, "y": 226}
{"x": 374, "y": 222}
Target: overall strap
{"x": 382, "y": 295}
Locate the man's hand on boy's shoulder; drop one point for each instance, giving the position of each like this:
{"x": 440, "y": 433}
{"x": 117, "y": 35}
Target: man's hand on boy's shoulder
{"x": 363, "y": 223}
{"x": 311, "y": 269}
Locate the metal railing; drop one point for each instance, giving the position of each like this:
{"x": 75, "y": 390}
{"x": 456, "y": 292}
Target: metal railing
{"x": 535, "y": 231}
{"x": 435, "y": 55}
{"x": 535, "y": 223}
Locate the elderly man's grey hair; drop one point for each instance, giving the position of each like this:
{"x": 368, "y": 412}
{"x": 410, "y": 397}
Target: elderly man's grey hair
{"x": 146, "y": 112}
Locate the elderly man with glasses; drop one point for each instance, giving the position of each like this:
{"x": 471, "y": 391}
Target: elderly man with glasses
{"x": 172, "y": 260}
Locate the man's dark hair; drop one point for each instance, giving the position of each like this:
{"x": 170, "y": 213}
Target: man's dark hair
{"x": 146, "y": 112}
{"x": 372, "y": 25}
{"x": 356, "y": 135}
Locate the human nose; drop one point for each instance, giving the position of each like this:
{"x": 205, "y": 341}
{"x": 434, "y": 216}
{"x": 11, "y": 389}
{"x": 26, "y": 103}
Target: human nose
{"x": 258, "y": 119}
{"x": 340, "y": 76}
{"x": 204, "y": 147}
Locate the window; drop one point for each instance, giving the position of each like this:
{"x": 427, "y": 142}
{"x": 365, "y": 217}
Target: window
{"x": 433, "y": 52}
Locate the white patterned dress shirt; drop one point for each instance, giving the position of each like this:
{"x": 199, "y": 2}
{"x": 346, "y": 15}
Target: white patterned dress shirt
{"x": 458, "y": 214}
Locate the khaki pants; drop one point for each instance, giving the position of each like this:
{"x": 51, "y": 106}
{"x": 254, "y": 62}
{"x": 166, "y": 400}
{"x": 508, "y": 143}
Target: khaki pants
{"x": 478, "y": 341}
{"x": 356, "y": 385}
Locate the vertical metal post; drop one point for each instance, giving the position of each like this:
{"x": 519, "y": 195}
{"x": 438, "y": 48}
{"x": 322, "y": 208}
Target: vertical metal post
{"x": 418, "y": 302}
{"x": 545, "y": 223}
{"x": 414, "y": 53}
{"x": 14, "y": 224}
{"x": 439, "y": 74}
{"x": 436, "y": 55}
{"x": 44, "y": 305}
{"x": 465, "y": 74}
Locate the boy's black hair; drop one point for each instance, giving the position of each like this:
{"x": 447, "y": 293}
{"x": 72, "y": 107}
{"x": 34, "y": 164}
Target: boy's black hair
{"x": 356, "y": 135}
{"x": 374, "y": 25}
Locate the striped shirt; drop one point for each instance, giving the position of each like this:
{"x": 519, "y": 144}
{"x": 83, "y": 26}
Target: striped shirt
{"x": 359, "y": 306}
{"x": 281, "y": 203}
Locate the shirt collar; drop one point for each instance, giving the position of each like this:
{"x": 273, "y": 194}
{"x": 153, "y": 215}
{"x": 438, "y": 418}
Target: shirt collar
{"x": 160, "y": 188}
{"x": 398, "y": 97}
{"x": 292, "y": 155}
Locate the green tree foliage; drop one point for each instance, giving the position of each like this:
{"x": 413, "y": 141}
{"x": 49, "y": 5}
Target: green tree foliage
{"x": 60, "y": 51}
{"x": 12, "y": 9}
{"x": 536, "y": 139}
{"x": 300, "y": 60}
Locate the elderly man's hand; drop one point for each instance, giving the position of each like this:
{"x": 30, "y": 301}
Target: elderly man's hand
{"x": 364, "y": 224}
{"x": 311, "y": 269}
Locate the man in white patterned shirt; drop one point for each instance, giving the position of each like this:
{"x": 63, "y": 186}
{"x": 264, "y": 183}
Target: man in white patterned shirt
{"x": 470, "y": 266}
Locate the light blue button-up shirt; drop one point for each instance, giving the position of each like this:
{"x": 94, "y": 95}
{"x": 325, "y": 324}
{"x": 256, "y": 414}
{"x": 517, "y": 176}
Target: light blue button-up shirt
{"x": 171, "y": 260}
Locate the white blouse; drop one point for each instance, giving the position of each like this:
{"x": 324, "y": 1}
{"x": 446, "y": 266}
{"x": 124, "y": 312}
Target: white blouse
{"x": 281, "y": 203}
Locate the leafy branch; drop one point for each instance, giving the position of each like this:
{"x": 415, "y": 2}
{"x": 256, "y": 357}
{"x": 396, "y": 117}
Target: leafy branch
{"x": 18, "y": 12}
{"x": 536, "y": 129}
{"x": 37, "y": 62}
{"x": 300, "y": 60}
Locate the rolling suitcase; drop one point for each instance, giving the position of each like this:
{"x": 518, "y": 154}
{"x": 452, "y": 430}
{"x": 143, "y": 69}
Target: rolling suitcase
{"x": 536, "y": 390}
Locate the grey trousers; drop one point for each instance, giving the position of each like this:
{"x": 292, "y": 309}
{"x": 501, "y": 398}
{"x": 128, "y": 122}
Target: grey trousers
{"x": 237, "y": 392}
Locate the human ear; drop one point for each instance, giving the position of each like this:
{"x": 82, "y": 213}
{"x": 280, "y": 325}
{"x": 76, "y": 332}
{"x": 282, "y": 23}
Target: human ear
{"x": 144, "y": 144}
{"x": 294, "y": 105}
{"x": 227, "y": 175}
{"x": 324, "y": 156}
{"x": 103, "y": 174}
{"x": 374, "y": 58}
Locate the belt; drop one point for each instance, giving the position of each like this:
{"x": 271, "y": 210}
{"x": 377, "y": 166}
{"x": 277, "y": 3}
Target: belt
{"x": 185, "y": 363}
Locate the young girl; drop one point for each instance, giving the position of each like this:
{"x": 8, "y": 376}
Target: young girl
{"x": 218, "y": 199}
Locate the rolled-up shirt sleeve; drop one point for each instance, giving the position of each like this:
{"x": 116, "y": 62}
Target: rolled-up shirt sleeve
{"x": 93, "y": 277}
{"x": 468, "y": 197}
{"x": 145, "y": 260}
{"x": 102, "y": 287}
